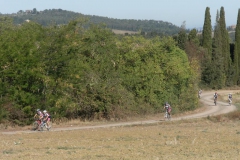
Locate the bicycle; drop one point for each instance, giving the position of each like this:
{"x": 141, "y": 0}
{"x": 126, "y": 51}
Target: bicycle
{"x": 36, "y": 124}
{"x": 230, "y": 101}
{"x": 215, "y": 101}
{"x": 199, "y": 95}
{"x": 44, "y": 126}
{"x": 167, "y": 116}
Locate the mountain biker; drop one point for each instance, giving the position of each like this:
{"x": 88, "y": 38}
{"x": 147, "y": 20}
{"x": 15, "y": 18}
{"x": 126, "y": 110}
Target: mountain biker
{"x": 39, "y": 117}
{"x": 230, "y": 97}
{"x": 46, "y": 118}
{"x": 215, "y": 97}
{"x": 168, "y": 109}
{"x": 199, "y": 93}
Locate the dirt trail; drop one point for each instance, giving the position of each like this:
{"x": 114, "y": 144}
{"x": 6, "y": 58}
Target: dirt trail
{"x": 206, "y": 99}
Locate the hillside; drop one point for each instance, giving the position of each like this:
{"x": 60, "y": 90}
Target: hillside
{"x": 59, "y": 16}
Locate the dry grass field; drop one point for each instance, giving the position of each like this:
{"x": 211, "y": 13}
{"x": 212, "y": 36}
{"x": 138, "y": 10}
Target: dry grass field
{"x": 187, "y": 139}
{"x": 210, "y": 138}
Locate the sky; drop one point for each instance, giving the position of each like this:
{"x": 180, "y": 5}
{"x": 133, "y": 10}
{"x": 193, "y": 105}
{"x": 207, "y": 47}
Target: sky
{"x": 191, "y": 12}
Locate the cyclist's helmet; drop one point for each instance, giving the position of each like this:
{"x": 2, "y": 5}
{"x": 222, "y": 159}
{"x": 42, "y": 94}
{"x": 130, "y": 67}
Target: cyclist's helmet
{"x": 44, "y": 111}
{"x": 38, "y": 110}
{"x": 166, "y": 103}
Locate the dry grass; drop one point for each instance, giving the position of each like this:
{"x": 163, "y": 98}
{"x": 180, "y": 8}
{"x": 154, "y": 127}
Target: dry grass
{"x": 188, "y": 139}
{"x": 212, "y": 138}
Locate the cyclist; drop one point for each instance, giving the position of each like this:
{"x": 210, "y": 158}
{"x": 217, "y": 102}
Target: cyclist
{"x": 215, "y": 97}
{"x": 168, "y": 109}
{"x": 230, "y": 98}
{"x": 39, "y": 117}
{"x": 199, "y": 93}
{"x": 46, "y": 118}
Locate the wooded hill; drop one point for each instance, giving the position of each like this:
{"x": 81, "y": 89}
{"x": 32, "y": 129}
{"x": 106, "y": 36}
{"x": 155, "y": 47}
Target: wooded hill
{"x": 59, "y": 16}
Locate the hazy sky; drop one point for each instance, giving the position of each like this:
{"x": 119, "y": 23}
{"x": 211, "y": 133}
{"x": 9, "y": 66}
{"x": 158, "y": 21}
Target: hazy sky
{"x": 173, "y": 11}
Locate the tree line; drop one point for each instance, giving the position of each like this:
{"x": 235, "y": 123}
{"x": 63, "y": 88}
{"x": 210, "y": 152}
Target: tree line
{"x": 62, "y": 17}
{"x": 220, "y": 65}
{"x": 215, "y": 50}
{"x": 89, "y": 73}
{"x": 74, "y": 71}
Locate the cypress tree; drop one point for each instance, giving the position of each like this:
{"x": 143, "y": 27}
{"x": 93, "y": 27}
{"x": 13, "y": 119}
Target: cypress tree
{"x": 207, "y": 33}
{"x": 207, "y": 44}
{"x": 237, "y": 50}
{"x": 225, "y": 45}
{"x": 218, "y": 76}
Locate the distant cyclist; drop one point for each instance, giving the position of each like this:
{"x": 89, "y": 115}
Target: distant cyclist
{"x": 168, "y": 109}
{"x": 230, "y": 98}
{"x": 46, "y": 118}
{"x": 39, "y": 117}
{"x": 215, "y": 96}
{"x": 199, "y": 93}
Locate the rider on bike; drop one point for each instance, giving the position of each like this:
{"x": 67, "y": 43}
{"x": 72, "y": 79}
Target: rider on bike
{"x": 46, "y": 118}
{"x": 215, "y": 97}
{"x": 230, "y": 97}
{"x": 199, "y": 93}
{"x": 39, "y": 117}
{"x": 168, "y": 109}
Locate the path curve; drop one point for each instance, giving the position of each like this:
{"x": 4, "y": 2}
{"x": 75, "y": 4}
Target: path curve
{"x": 206, "y": 99}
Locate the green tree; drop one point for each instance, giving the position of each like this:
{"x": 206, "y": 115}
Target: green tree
{"x": 207, "y": 33}
{"x": 225, "y": 47}
{"x": 34, "y": 11}
{"x": 237, "y": 51}
{"x": 195, "y": 55}
{"x": 182, "y": 36}
{"x": 21, "y": 78}
{"x": 207, "y": 45}
{"x": 192, "y": 37}
{"x": 218, "y": 74}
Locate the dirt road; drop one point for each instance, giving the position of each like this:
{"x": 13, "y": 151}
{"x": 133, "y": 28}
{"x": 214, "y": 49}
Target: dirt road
{"x": 206, "y": 99}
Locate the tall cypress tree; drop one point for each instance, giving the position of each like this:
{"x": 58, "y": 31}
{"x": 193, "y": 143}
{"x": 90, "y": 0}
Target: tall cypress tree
{"x": 225, "y": 46}
{"x": 237, "y": 51}
{"x": 218, "y": 75}
{"x": 207, "y": 33}
{"x": 207, "y": 44}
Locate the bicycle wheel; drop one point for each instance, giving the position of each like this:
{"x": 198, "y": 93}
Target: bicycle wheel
{"x": 230, "y": 102}
{"x": 35, "y": 125}
{"x": 44, "y": 126}
{"x": 49, "y": 125}
{"x": 168, "y": 116}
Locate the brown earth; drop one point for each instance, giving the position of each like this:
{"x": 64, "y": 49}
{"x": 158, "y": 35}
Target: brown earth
{"x": 190, "y": 136}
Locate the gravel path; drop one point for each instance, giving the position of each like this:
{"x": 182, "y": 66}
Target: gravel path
{"x": 206, "y": 99}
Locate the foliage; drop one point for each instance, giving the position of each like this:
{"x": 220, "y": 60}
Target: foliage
{"x": 237, "y": 50}
{"x": 218, "y": 75}
{"x": 225, "y": 48}
{"x": 182, "y": 37}
{"x": 62, "y": 17}
{"x": 207, "y": 69}
{"x": 74, "y": 72}
{"x": 207, "y": 33}
{"x": 217, "y": 68}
